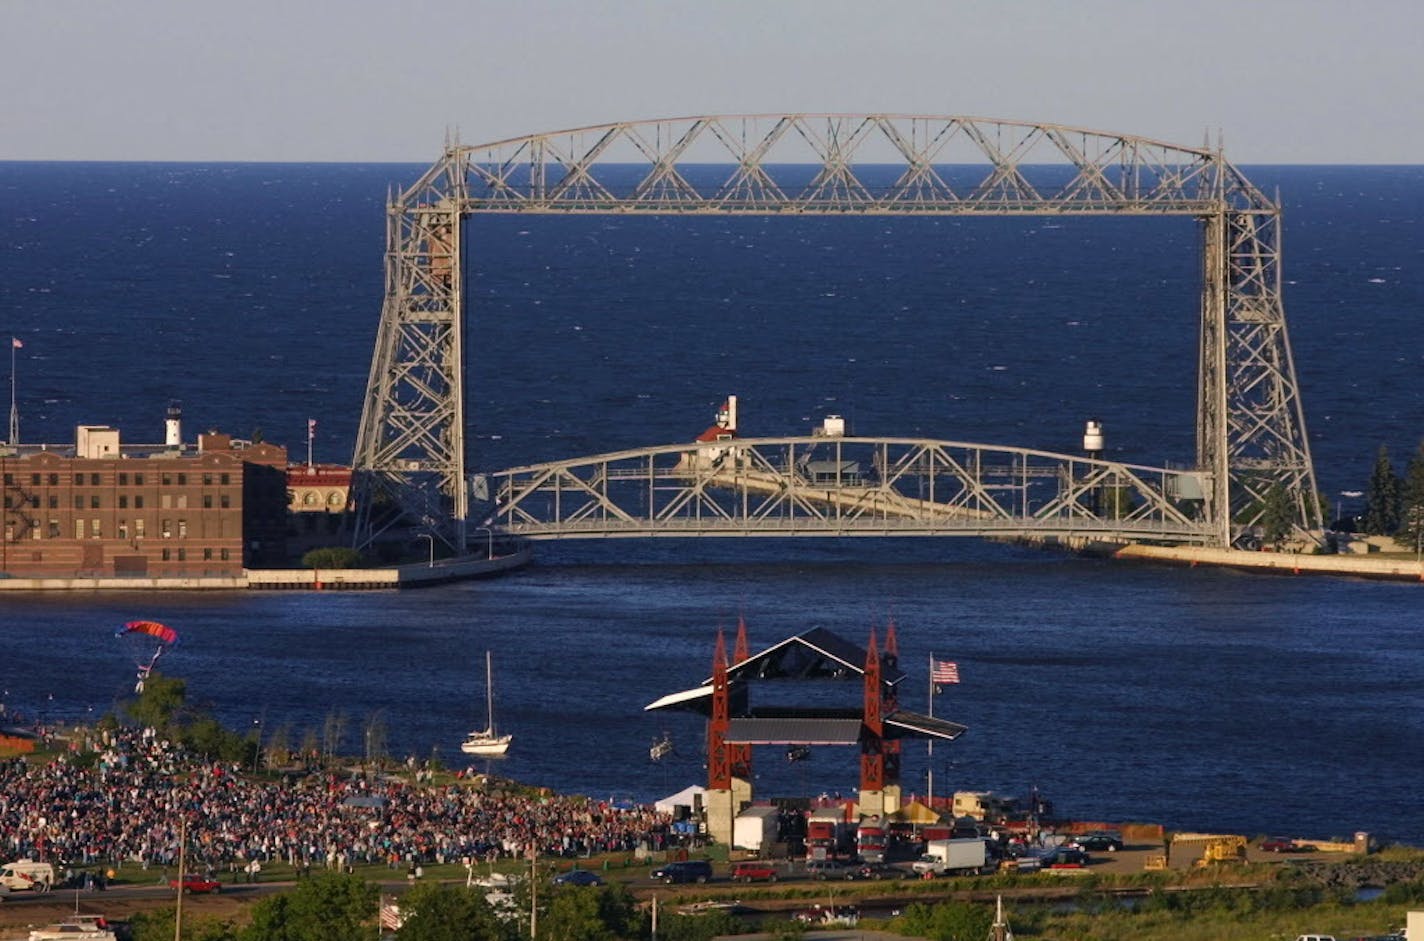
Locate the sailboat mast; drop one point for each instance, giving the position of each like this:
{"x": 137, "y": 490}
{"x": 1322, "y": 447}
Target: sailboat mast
{"x": 489, "y": 691}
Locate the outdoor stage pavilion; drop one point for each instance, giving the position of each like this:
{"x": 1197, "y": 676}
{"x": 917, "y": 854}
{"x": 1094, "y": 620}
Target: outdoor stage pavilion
{"x": 734, "y": 726}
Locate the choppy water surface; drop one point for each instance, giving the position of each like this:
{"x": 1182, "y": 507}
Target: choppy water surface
{"x": 1195, "y": 698}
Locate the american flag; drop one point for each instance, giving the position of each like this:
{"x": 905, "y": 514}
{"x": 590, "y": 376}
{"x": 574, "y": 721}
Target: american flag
{"x": 944, "y": 671}
{"x": 15, "y": 344}
{"x": 311, "y": 426}
{"x": 391, "y": 918}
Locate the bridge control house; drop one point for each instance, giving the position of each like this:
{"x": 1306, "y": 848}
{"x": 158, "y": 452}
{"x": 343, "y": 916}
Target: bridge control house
{"x": 102, "y": 508}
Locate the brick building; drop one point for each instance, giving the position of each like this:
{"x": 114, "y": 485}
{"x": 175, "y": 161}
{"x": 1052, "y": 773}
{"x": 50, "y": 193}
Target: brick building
{"x": 102, "y": 509}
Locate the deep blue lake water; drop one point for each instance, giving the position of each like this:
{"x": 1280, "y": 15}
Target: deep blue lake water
{"x": 1195, "y": 698}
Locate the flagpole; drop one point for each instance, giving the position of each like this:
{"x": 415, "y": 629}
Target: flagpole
{"x": 14, "y": 412}
{"x": 310, "y": 428}
{"x": 929, "y": 783}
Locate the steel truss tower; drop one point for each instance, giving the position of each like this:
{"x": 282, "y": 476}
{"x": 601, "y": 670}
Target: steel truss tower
{"x": 1251, "y": 442}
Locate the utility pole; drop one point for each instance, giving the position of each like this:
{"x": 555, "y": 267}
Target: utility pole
{"x": 182, "y": 862}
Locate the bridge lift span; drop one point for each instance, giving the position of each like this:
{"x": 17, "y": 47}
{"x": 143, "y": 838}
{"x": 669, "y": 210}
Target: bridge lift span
{"x": 1252, "y": 452}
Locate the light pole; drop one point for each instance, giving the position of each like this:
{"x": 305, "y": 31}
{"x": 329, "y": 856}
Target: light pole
{"x": 430, "y": 539}
{"x": 1348, "y": 495}
{"x": 257, "y": 748}
{"x": 489, "y": 541}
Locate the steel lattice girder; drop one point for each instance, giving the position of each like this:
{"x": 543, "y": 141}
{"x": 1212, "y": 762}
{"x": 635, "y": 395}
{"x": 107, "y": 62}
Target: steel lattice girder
{"x": 772, "y": 487}
{"x": 1250, "y": 425}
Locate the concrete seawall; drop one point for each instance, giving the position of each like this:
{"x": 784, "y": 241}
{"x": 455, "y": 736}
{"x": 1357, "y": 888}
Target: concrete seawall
{"x": 405, "y": 576}
{"x": 1284, "y": 563}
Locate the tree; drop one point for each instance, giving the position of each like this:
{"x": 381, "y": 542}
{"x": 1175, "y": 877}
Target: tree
{"x": 333, "y": 557}
{"x": 1382, "y": 499}
{"x": 158, "y": 925}
{"x": 1412, "y": 515}
{"x": 333, "y": 732}
{"x": 947, "y": 921}
{"x": 1277, "y": 515}
{"x": 583, "y": 913}
{"x": 160, "y": 704}
{"x": 330, "y": 906}
{"x": 433, "y": 912}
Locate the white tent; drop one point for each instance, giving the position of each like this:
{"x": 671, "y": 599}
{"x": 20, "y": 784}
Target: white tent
{"x": 682, "y": 798}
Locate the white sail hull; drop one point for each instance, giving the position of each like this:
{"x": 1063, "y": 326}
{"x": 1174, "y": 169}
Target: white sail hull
{"x": 486, "y": 743}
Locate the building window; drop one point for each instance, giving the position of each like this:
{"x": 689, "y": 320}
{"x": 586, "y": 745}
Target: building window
{"x": 138, "y": 529}
{"x": 78, "y": 502}
{"x": 207, "y": 480}
{"x": 54, "y": 480}
{"x": 165, "y": 500}
{"x": 166, "y": 480}
{"x": 138, "y": 480}
{"x": 78, "y": 529}
{"x": 123, "y": 529}
{"x": 167, "y": 529}
{"x": 123, "y": 501}
{"x": 182, "y": 555}
{"x": 54, "y": 529}
{"x": 335, "y": 498}
{"x": 9, "y": 502}
{"x": 34, "y": 480}
{"x": 224, "y": 479}
{"x": 182, "y": 529}
{"x": 53, "y": 502}
{"x": 96, "y": 527}
{"x": 165, "y": 555}
{"x": 94, "y": 502}
{"x": 182, "y": 480}
{"x": 9, "y": 532}
{"x": 222, "y": 553}
{"x": 138, "y": 501}
{"x": 94, "y": 479}
{"x": 34, "y": 529}
{"x": 309, "y": 498}
{"x": 207, "y": 555}
{"x": 10, "y": 479}
{"x": 207, "y": 501}
{"x": 224, "y": 501}
{"x": 123, "y": 479}
{"x": 34, "y": 503}
{"x": 182, "y": 501}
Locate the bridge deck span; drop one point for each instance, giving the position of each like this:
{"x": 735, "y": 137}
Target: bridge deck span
{"x": 845, "y": 486}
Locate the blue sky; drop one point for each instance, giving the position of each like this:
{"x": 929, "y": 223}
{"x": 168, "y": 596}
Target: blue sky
{"x": 1306, "y": 81}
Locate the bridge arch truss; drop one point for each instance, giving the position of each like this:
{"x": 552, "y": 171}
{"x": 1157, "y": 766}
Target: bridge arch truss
{"x": 1252, "y": 452}
{"x": 834, "y": 486}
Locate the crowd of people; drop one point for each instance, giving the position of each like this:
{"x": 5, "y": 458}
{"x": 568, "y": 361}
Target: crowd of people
{"x": 139, "y": 797}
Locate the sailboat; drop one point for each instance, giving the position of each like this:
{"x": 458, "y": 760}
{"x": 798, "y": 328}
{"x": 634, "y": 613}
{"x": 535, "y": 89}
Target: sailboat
{"x": 487, "y": 741}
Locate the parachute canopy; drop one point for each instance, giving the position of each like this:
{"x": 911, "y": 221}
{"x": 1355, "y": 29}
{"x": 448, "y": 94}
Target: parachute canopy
{"x": 160, "y": 632}
{"x": 146, "y": 641}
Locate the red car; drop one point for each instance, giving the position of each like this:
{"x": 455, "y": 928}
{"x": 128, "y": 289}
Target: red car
{"x": 753, "y": 872}
{"x": 197, "y": 884}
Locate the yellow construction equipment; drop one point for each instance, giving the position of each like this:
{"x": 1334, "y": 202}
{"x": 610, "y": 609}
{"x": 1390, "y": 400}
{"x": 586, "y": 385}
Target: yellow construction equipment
{"x": 1223, "y": 849}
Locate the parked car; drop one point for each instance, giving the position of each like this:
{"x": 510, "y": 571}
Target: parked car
{"x": 1099, "y": 840}
{"x": 1281, "y": 844}
{"x": 880, "y": 871}
{"x": 1066, "y": 857}
{"x": 824, "y": 869}
{"x": 753, "y": 872}
{"x": 196, "y": 885}
{"x": 691, "y": 870}
{"x": 578, "y": 877}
